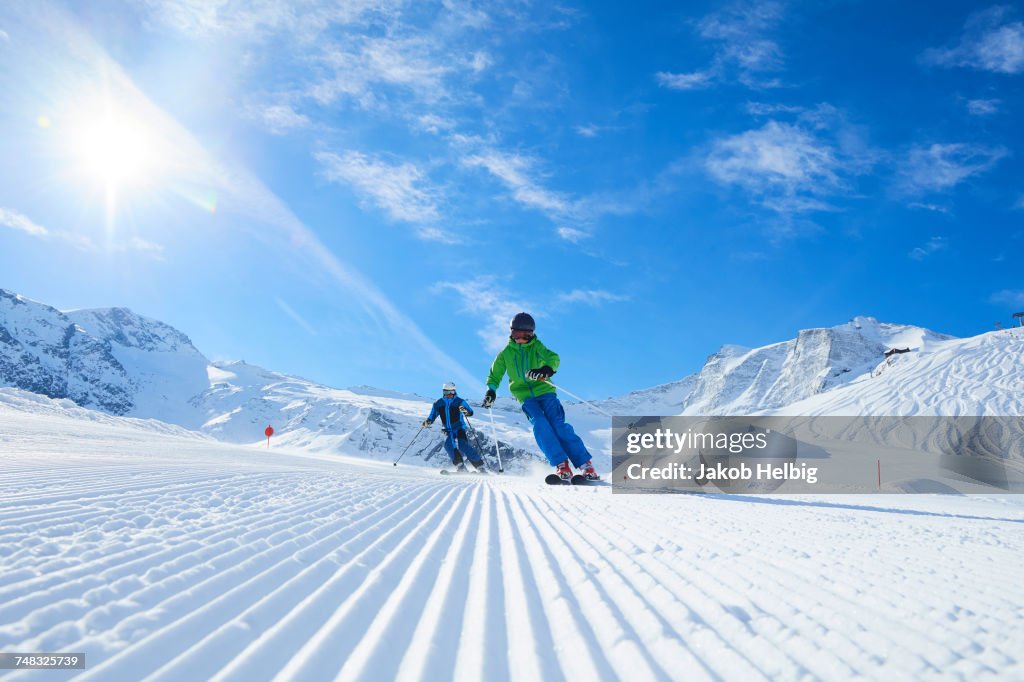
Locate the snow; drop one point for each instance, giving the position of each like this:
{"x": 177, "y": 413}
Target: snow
{"x": 167, "y": 555}
{"x": 980, "y": 375}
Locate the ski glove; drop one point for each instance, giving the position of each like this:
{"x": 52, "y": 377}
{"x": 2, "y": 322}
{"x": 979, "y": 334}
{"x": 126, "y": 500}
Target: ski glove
{"x": 489, "y": 398}
{"x": 464, "y": 410}
{"x": 542, "y": 374}
{"x": 427, "y": 423}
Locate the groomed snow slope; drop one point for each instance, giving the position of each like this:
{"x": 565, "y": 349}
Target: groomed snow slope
{"x": 171, "y": 557}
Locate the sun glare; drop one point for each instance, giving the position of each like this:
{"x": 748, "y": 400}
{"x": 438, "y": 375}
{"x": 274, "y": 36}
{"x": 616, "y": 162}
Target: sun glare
{"x": 114, "y": 150}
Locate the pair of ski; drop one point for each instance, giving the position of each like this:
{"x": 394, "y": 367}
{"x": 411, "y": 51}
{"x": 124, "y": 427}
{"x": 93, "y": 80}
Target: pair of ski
{"x": 578, "y": 479}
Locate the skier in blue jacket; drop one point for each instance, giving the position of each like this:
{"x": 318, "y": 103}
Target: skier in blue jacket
{"x": 453, "y": 411}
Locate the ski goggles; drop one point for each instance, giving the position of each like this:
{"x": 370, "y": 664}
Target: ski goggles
{"x": 448, "y": 394}
{"x": 521, "y": 334}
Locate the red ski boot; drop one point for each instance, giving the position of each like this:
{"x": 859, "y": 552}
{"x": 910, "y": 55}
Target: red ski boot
{"x": 564, "y": 471}
{"x": 588, "y": 471}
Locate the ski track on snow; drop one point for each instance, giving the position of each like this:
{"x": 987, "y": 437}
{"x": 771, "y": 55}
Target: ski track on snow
{"x": 174, "y": 560}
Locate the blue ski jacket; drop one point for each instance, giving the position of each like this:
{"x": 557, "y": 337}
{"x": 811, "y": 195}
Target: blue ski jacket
{"x": 448, "y": 410}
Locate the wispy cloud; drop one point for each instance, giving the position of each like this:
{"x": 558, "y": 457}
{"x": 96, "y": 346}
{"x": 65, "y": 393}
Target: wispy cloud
{"x": 684, "y": 81}
{"x": 787, "y": 167}
{"x": 295, "y": 317}
{"x": 303, "y": 19}
{"x": 485, "y": 298}
{"x": 22, "y": 223}
{"x": 17, "y": 221}
{"x": 745, "y": 49}
{"x": 571, "y": 234}
{"x": 983, "y": 107}
{"x": 434, "y": 234}
{"x": 280, "y": 118}
{"x": 990, "y": 42}
{"x": 518, "y": 174}
{"x": 401, "y": 190}
{"x": 939, "y": 167}
{"x": 140, "y": 245}
{"x": 933, "y": 245}
{"x": 591, "y": 297}
{"x": 1008, "y": 296}
{"x": 935, "y": 208}
{"x": 768, "y": 109}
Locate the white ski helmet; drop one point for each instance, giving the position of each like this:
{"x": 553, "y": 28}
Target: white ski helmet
{"x": 448, "y": 387}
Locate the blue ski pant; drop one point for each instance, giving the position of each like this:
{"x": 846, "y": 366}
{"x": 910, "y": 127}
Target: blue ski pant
{"x": 460, "y": 441}
{"x": 556, "y": 438}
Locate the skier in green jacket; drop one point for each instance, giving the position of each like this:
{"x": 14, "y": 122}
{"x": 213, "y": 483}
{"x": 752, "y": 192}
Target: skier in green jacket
{"x": 529, "y": 364}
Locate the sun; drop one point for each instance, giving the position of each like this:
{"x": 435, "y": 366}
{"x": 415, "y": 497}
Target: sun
{"x": 114, "y": 149}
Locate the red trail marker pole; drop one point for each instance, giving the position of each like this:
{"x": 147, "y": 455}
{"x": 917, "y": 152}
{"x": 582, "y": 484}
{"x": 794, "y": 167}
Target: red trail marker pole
{"x": 269, "y": 431}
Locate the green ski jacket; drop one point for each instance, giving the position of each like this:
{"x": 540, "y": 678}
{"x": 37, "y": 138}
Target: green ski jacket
{"x": 518, "y": 359}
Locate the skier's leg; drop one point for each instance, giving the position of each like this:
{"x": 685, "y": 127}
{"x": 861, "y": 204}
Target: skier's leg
{"x": 571, "y": 443}
{"x": 454, "y": 455}
{"x": 546, "y": 437}
{"x": 466, "y": 447}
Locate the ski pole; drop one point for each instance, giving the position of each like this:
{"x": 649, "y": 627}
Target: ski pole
{"x": 592, "y": 406}
{"x": 494, "y": 434}
{"x": 476, "y": 439}
{"x": 395, "y": 463}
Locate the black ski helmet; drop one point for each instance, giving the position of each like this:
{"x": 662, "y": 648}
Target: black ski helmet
{"x": 523, "y": 322}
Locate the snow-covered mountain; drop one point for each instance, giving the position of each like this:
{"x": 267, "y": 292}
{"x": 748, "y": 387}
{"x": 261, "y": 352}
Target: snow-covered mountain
{"x": 44, "y": 351}
{"x": 740, "y": 380}
{"x": 125, "y": 364}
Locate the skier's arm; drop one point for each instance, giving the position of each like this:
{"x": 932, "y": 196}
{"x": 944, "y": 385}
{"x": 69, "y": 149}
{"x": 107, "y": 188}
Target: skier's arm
{"x": 548, "y": 358}
{"x": 433, "y": 413}
{"x": 497, "y": 372}
{"x": 465, "y": 408}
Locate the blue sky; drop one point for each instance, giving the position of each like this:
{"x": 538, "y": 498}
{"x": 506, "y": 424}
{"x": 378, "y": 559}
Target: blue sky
{"x": 364, "y": 192}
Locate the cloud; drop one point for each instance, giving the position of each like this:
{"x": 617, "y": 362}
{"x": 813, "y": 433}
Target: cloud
{"x": 983, "y": 107}
{"x": 684, "y": 81}
{"x": 766, "y": 109}
{"x": 295, "y": 317}
{"x": 22, "y": 223}
{"x": 1009, "y": 297}
{"x": 432, "y": 123}
{"x": 744, "y": 48}
{"x": 400, "y": 190}
{"x": 989, "y": 43}
{"x": 939, "y": 167}
{"x": 281, "y": 118}
{"x": 787, "y": 167}
{"x": 934, "y": 245}
{"x": 936, "y": 208}
{"x": 17, "y": 221}
{"x": 145, "y": 246}
{"x": 571, "y": 234}
{"x": 485, "y": 298}
{"x": 433, "y": 234}
{"x": 591, "y": 297}
{"x": 303, "y": 19}
{"x": 516, "y": 172}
